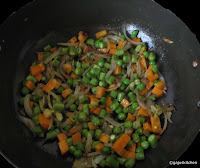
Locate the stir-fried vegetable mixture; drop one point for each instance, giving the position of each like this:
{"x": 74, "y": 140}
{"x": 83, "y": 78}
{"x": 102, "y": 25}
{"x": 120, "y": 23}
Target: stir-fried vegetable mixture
{"x": 97, "y": 98}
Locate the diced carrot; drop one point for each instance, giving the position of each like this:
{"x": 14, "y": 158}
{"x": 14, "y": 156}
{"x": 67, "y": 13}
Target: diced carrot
{"x": 92, "y": 126}
{"x": 31, "y": 104}
{"x": 108, "y": 101}
{"x": 94, "y": 99}
{"x": 83, "y": 88}
{"x": 44, "y": 122}
{"x": 35, "y": 70}
{"x": 143, "y": 92}
{"x": 150, "y": 67}
{"x": 113, "y": 51}
{"x": 143, "y": 63}
{"x": 149, "y": 85}
{"x": 156, "y": 125}
{"x": 136, "y": 39}
{"x": 74, "y": 129}
{"x": 108, "y": 110}
{"x": 125, "y": 103}
{"x": 67, "y": 77}
{"x": 57, "y": 85}
{"x": 132, "y": 148}
{"x": 98, "y": 147}
{"x": 53, "y": 49}
{"x": 68, "y": 121}
{"x": 82, "y": 36}
{"x": 120, "y": 143}
{"x": 85, "y": 49}
{"x": 120, "y": 44}
{"x": 112, "y": 46}
{"x": 113, "y": 85}
{"x": 142, "y": 112}
{"x": 41, "y": 56}
{"x": 73, "y": 40}
{"x": 128, "y": 155}
{"x": 117, "y": 70}
{"x": 38, "y": 77}
{"x": 134, "y": 67}
{"x": 74, "y": 76}
{"x": 66, "y": 93}
{"x": 96, "y": 58}
{"x": 64, "y": 148}
{"x": 61, "y": 137}
{"x": 160, "y": 85}
{"x": 101, "y": 34}
{"x": 42, "y": 66}
{"x": 97, "y": 110}
{"x": 29, "y": 84}
{"x": 157, "y": 92}
{"x": 68, "y": 67}
{"x": 104, "y": 138}
{"x": 147, "y": 127}
{"x": 139, "y": 144}
{"x": 100, "y": 92}
{"x": 50, "y": 85}
{"x": 151, "y": 76}
{"x": 130, "y": 117}
{"x": 76, "y": 138}
{"x": 143, "y": 49}
{"x": 69, "y": 114}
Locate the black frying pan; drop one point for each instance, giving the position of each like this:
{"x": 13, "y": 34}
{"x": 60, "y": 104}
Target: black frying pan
{"x": 50, "y": 22}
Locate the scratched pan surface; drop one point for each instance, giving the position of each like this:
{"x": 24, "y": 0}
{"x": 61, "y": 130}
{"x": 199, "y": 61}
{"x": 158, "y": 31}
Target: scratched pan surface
{"x": 49, "y": 22}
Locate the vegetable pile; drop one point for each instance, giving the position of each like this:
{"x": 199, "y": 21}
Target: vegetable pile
{"x": 97, "y": 98}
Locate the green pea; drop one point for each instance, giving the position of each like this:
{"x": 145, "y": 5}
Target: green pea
{"x": 91, "y": 132}
{"x": 145, "y": 144}
{"x": 106, "y": 150}
{"x": 25, "y": 91}
{"x": 113, "y": 94}
{"x": 84, "y": 132}
{"x": 121, "y": 116}
{"x": 134, "y": 106}
{"x": 135, "y": 137}
{"x": 126, "y": 81}
{"x": 119, "y": 110}
{"x": 36, "y": 120}
{"x": 120, "y": 96}
{"x": 95, "y": 121}
{"x": 94, "y": 143}
{"x": 73, "y": 107}
{"x": 102, "y": 83}
{"x": 146, "y": 54}
{"x": 137, "y": 81}
{"x": 65, "y": 50}
{"x": 94, "y": 81}
{"x": 139, "y": 131}
{"x": 70, "y": 82}
{"x": 82, "y": 116}
{"x": 125, "y": 110}
{"x": 128, "y": 124}
{"x": 120, "y": 52}
{"x": 79, "y": 51}
{"x": 37, "y": 130}
{"x": 55, "y": 63}
{"x": 102, "y": 45}
{"x": 98, "y": 133}
{"x": 139, "y": 156}
{"x": 77, "y": 153}
{"x": 103, "y": 100}
{"x": 102, "y": 163}
{"x": 47, "y": 48}
{"x": 36, "y": 109}
{"x": 47, "y": 54}
{"x": 100, "y": 63}
{"x": 152, "y": 56}
{"x": 79, "y": 71}
{"x": 143, "y": 138}
{"x": 72, "y": 51}
{"x": 94, "y": 90}
{"x": 126, "y": 58}
{"x": 142, "y": 120}
{"x": 138, "y": 48}
{"x": 90, "y": 42}
{"x": 117, "y": 130}
{"x": 102, "y": 76}
{"x": 58, "y": 107}
{"x": 21, "y": 101}
{"x": 72, "y": 149}
{"x": 134, "y": 33}
{"x": 34, "y": 63}
{"x": 113, "y": 138}
{"x": 85, "y": 65}
{"x": 124, "y": 65}
{"x": 136, "y": 125}
{"x": 31, "y": 78}
{"x": 102, "y": 113}
{"x": 122, "y": 87}
{"x": 86, "y": 80}
{"x": 69, "y": 141}
{"x": 106, "y": 65}
{"x": 74, "y": 119}
{"x": 80, "y": 146}
{"x": 110, "y": 80}
{"x": 123, "y": 37}
{"x": 130, "y": 163}
{"x": 131, "y": 50}
{"x": 153, "y": 141}
{"x": 67, "y": 128}
{"x": 119, "y": 62}
{"x": 52, "y": 134}
{"x": 152, "y": 62}
{"x": 155, "y": 68}
{"x": 122, "y": 161}
{"x": 141, "y": 86}
{"x": 134, "y": 58}
{"x": 114, "y": 106}
{"x": 89, "y": 75}
{"x": 152, "y": 97}
{"x": 97, "y": 42}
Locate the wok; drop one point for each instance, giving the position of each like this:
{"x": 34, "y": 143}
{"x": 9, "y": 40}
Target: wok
{"x": 50, "y": 22}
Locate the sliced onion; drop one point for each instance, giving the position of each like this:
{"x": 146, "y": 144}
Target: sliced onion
{"x": 74, "y": 97}
{"x": 108, "y": 90}
{"x": 99, "y": 158}
{"x": 144, "y": 80}
{"x": 169, "y": 114}
{"x": 27, "y": 107}
{"x": 49, "y": 101}
{"x": 42, "y": 103}
{"x": 131, "y": 41}
{"x": 82, "y": 45}
{"x": 111, "y": 121}
{"x": 148, "y": 94}
{"x": 129, "y": 69}
{"x": 68, "y": 44}
{"x": 60, "y": 76}
{"x": 85, "y": 56}
{"x": 108, "y": 74}
{"x": 28, "y": 122}
{"x": 128, "y": 130}
{"x": 107, "y": 42}
{"x": 162, "y": 79}
{"x": 139, "y": 101}
{"x": 138, "y": 69}
{"x": 93, "y": 154}
{"x": 123, "y": 44}
{"x": 114, "y": 38}
{"x": 113, "y": 32}
{"x": 128, "y": 46}
{"x": 101, "y": 55}
{"x": 51, "y": 123}
{"x": 52, "y": 56}
{"x": 88, "y": 145}
{"x": 67, "y": 121}
{"x": 55, "y": 96}
{"x": 61, "y": 68}
{"x": 104, "y": 127}
{"x": 87, "y": 70}
{"x": 165, "y": 123}
{"x": 65, "y": 85}
{"x": 94, "y": 164}
{"x": 108, "y": 145}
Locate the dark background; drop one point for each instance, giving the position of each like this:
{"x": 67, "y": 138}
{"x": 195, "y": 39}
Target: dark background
{"x": 186, "y": 10}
